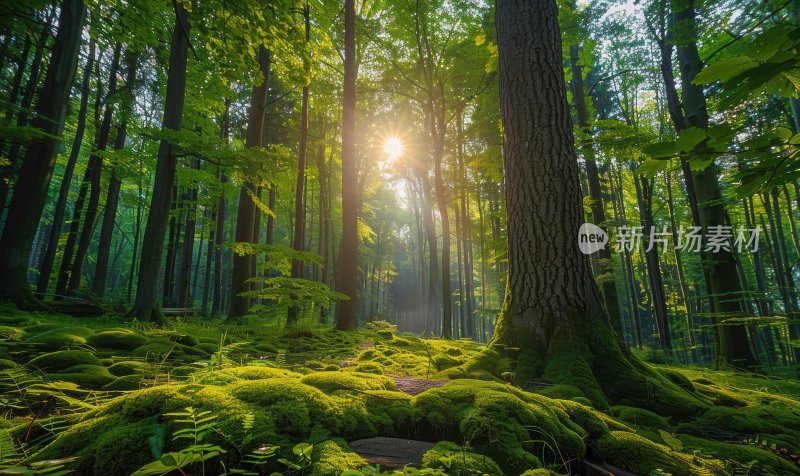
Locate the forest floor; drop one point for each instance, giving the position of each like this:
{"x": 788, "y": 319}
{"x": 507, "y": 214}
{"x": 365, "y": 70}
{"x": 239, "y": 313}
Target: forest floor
{"x": 99, "y": 395}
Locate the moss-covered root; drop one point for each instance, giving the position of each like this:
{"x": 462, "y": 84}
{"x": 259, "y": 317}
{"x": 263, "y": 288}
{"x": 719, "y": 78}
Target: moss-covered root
{"x": 639, "y": 455}
{"x": 517, "y": 429}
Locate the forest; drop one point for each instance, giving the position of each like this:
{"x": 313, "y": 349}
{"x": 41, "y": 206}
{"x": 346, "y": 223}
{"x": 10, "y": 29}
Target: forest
{"x": 419, "y": 237}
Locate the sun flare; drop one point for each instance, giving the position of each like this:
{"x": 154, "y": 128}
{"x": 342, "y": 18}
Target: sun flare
{"x": 393, "y": 147}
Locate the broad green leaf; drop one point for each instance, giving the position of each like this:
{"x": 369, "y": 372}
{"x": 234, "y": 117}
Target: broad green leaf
{"x": 689, "y": 138}
{"x": 662, "y": 150}
{"x": 725, "y": 69}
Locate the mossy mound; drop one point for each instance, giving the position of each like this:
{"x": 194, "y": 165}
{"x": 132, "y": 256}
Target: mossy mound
{"x": 415, "y": 357}
{"x": 86, "y": 376}
{"x": 456, "y": 461}
{"x": 124, "y": 340}
{"x": 185, "y": 339}
{"x": 518, "y": 430}
{"x": 11, "y": 333}
{"x": 235, "y": 374}
{"x": 368, "y": 368}
{"x": 159, "y": 349}
{"x": 639, "y": 455}
{"x": 52, "y": 341}
{"x": 63, "y": 359}
{"x": 333, "y": 456}
{"x": 128, "y": 367}
{"x": 348, "y": 381}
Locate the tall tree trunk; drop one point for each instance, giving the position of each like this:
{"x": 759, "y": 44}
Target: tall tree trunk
{"x": 644, "y": 194}
{"x": 25, "y": 210}
{"x": 347, "y": 274}
{"x": 61, "y": 202}
{"x": 184, "y": 282}
{"x": 114, "y": 183}
{"x": 299, "y": 188}
{"x": 608, "y": 284}
{"x": 136, "y": 235}
{"x": 210, "y": 243}
{"x": 147, "y": 306}
{"x": 245, "y": 218}
{"x": 553, "y": 309}
{"x": 725, "y": 286}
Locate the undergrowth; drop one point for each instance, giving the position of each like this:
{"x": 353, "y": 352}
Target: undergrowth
{"x": 201, "y": 397}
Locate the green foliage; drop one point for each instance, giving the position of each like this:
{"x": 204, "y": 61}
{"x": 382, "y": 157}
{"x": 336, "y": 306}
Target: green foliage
{"x": 198, "y": 426}
{"x": 455, "y": 460}
{"x": 769, "y": 62}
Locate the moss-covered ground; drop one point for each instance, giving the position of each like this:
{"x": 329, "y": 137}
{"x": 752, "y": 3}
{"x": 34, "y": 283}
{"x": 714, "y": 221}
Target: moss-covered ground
{"x": 201, "y": 397}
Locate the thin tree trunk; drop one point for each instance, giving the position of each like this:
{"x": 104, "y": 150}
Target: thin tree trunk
{"x": 115, "y": 183}
{"x": 92, "y": 177}
{"x": 347, "y": 273}
{"x": 147, "y": 306}
{"x": 245, "y": 218}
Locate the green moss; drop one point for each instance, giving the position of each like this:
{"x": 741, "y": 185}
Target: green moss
{"x": 128, "y": 367}
{"x": 678, "y": 379}
{"x": 11, "y": 333}
{"x": 64, "y": 359}
{"x": 333, "y": 381}
{"x": 519, "y": 430}
{"x": 561, "y": 391}
{"x": 247, "y": 372}
{"x": 639, "y": 455}
{"x": 767, "y": 462}
{"x": 52, "y": 341}
{"x": 368, "y": 368}
{"x": 86, "y": 376}
{"x": 445, "y": 361}
{"x": 539, "y": 472}
{"x": 593, "y": 422}
{"x": 487, "y": 364}
{"x": 640, "y": 417}
{"x": 568, "y": 368}
{"x": 333, "y": 456}
{"x": 158, "y": 349}
{"x": 185, "y": 339}
{"x": 125, "y": 340}
{"x": 455, "y": 461}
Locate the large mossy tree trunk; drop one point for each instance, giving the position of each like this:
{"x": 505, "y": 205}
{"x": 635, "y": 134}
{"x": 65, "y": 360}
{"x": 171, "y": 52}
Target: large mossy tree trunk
{"x": 347, "y": 275}
{"x": 25, "y": 209}
{"x": 552, "y": 317}
{"x": 243, "y": 268}
{"x": 147, "y": 306}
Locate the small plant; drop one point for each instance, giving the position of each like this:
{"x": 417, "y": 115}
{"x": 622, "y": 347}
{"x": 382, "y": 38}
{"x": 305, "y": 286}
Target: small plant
{"x": 200, "y": 424}
{"x": 302, "y": 457}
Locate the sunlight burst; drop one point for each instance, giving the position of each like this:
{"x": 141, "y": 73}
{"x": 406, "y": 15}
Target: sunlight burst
{"x": 393, "y": 147}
